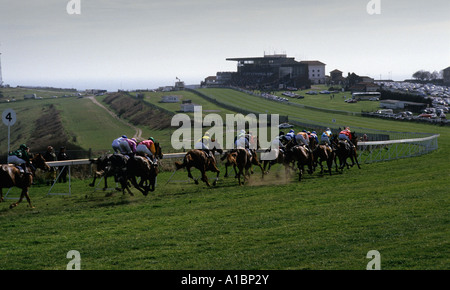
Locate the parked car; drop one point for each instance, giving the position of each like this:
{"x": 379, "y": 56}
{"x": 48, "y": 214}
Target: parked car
{"x": 285, "y": 126}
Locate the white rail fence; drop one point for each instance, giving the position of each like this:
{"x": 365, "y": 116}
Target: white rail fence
{"x": 378, "y": 151}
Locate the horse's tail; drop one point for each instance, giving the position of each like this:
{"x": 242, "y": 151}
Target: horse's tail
{"x": 186, "y": 159}
{"x": 224, "y": 156}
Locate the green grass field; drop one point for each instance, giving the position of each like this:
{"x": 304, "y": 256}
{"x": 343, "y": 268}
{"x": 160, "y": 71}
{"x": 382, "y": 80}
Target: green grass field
{"x": 399, "y": 208}
{"x": 324, "y": 101}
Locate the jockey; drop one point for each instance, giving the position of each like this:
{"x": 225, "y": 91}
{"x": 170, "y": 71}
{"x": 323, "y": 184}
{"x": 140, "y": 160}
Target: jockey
{"x": 21, "y": 157}
{"x": 128, "y": 146}
{"x": 289, "y": 136}
{"x": 277, "y": 146}
{"x": 345, "y": 135}
{"x": 302, "y": 138}
{"x": 147, "y": 147}
{"x": 242, "y": 142}
{"x": 326, "y": 135}
{"x": 252, "y": 140}
{"x": 203, "y": 144}
{"x": 115, "y": 144}
{"x": 314, "y": 135}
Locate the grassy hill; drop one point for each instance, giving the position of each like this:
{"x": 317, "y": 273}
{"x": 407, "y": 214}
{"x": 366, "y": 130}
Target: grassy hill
{"x": 399, "y": 208}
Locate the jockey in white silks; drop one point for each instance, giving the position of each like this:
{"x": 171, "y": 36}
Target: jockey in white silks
{"x": 242, "y": 143}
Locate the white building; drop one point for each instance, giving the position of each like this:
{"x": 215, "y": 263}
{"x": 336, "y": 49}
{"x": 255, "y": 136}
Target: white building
{"x": 316, "y": 71}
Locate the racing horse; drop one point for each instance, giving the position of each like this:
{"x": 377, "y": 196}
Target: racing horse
{"x": 244, "y": 162}
{"x": 109, "y": 165}
{"x": 279, "y": 159}
{"x": 201, "y": 160}
{"x": 231, "y": 161}
{"x": 146, "y": 169}
{"x": 302, "y": 155}
{"x": 323, "y": 152}
{"x": 104, "y": 169}
{"x": 344, "y": 151}
{"x": 11, "y": 176}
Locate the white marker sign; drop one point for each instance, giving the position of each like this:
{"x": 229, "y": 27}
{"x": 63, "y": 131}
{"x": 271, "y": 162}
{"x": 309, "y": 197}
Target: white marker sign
{"x": 9, "y": 117}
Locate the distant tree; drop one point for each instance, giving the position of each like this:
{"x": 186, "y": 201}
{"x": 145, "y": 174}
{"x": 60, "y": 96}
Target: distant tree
{"x": 417, "y": 75}
{"x": 422, "y": 75}
{"x": 434, "y": 75}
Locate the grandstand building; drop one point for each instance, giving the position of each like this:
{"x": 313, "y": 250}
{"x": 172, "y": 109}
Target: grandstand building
{"x": 268, "y": 72}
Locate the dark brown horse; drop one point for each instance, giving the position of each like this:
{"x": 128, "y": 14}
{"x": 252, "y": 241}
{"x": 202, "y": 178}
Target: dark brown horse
{"x": 11, "y": 176}
{"x": 104, "y": 169}
{"x": 144, "y": 168}
{"x": 344, "y": 150}
{"x": 323, "y": 152}
{"x": 280, "y": 159}
{"x": 202, "y": 161}
{"x": 254, "y": 160}
{"x": 243, "y": 163}
{"x": 303, "y": 156}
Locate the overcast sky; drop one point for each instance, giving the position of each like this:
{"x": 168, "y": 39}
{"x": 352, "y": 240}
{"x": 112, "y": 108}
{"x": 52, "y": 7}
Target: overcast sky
{"x": 116, "y": 44}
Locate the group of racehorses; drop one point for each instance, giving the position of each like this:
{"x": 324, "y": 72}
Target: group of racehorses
{"x": 127, "y": 169}
{"x": 242, "y": 160}
{"x": 124, "y": 169}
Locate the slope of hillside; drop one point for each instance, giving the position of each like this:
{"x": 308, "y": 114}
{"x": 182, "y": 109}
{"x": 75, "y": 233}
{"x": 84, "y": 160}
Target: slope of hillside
{"x": 137, "y": 111}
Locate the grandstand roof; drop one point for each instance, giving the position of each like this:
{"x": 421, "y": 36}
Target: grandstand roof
{"x": 312, "y": 62}
{"x": 266, "y": 57}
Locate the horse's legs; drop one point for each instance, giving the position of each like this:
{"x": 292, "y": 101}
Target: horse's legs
{"x": 355, "y": 154}
{"x": 204, "y": 177}
{"x": 106, "y": 183}
{"x": 93, "y": 181}
{"x": 1, "y": 194}
{"x": 240, "y": 169}
{"x": 23, "y": 194}
{"x": 188, "y": 169}
{"x": 300, "y": 174}
{"x": 320, "y": 164}
{"x": 329, "y": 163}
{"x": 217, "y": 177}
{"x": 226, "y": 170}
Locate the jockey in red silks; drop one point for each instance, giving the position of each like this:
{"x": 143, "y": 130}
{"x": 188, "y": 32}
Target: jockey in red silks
{"x": 147, "y": 147}
{"x": 346, "y": 134}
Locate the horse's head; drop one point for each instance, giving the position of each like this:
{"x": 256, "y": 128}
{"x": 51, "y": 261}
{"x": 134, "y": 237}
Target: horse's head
{"x": 39, "y": 162}
{"x": 158, "y": 152}
{"x": 154, "y": 170}
{"x": 354, "y": 138}
{"x": 101, "y": 161}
